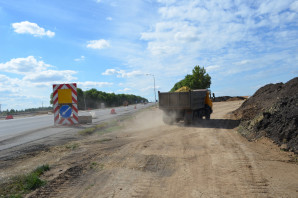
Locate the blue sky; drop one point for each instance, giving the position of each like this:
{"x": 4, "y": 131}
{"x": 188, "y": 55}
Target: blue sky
{"x": 111, "y": 45}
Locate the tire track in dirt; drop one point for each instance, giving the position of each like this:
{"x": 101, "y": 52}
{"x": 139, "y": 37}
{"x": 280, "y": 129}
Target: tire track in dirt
{"x": 248, "y": 173}
{"x": 60, "y": 184}
{"x": 250, "y": 179}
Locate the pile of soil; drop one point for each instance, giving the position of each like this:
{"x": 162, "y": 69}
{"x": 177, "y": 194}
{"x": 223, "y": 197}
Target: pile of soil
{"x": 272, "y": 112}
{"x": 228, "y": 98}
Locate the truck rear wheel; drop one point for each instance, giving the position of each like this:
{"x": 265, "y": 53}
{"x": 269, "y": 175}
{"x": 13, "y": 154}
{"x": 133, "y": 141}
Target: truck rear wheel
{"x": 207, "y": 116}
{"x": 197, "y": 115}
{"x": 208, "y": 113}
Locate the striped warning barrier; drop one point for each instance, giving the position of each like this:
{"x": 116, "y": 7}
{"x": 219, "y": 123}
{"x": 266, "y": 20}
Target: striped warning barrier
{"x": 65, "y": 94}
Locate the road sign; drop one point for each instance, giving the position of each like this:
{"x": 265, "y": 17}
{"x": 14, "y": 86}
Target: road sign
{"x": 65, "y": 111}
{"x": 64, "y": 96}
{"x": 65, "y": 104}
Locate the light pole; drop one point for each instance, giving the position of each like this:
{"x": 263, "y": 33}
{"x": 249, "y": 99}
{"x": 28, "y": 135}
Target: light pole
{"x": 154, "y": 85}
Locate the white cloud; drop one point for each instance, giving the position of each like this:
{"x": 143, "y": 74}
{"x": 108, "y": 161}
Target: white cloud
{"x": 109, "y": 18}
{"x": 273, "y": 7}
{"x": 150, "y": 88}
{"x": 24, "y": 65}
{"x": 166, "y": 1}
{"x": 98, "y": 44}
{"x": 92, "y": 84}
{"x": 130, "y": 74}
{"x": 35, "y": 71}
{"x": 193, "y": 26}
{"x": 110, "y": 72}
{"x": 212, "y": 68}
{"x": 294, "y": 6}
{"x": 9, "y": 85}
{"x": 243, "y": 62}
{"x": 3, "y": 78}
{"x": 124, "y": 90}
{"x": 51, "y": 76}
{"x": 80, "y": 59}
{"x": 122, "y": 73}
{"x": 26, "y": 27}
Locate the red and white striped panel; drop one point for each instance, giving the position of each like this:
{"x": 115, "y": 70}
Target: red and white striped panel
{"x": 59, "y": 119}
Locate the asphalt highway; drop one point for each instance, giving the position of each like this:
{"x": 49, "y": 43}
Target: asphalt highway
{"x": 21, "y": 130}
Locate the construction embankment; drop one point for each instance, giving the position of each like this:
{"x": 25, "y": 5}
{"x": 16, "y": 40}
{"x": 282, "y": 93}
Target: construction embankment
{"x": 272, "y": 112}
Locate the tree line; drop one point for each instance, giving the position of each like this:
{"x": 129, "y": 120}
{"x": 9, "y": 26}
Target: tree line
{"x": 94, "y": 98}
{"x": 199, "y": 79}
{"x": 30, "y": 110}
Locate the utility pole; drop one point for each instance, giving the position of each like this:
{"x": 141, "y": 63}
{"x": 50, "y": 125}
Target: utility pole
{"x": 154, "y": 85}
{"x": 0, "y": 108}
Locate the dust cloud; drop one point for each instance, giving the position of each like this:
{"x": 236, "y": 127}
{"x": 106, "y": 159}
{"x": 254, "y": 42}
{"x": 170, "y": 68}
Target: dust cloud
{"x": 145, "y": 120}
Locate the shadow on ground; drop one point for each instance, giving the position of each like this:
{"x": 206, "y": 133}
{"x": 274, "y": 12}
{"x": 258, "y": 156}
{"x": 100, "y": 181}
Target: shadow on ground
{"x": 214, "y": 123}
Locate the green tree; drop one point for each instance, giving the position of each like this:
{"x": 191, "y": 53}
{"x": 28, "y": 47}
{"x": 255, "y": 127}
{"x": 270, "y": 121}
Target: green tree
{"x": 51, "y": 98}
{"x": 198, "y": 80}
{"x": 81, "y": 103}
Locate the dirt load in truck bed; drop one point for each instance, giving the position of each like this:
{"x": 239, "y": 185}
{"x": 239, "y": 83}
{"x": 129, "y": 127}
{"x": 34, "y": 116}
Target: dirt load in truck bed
{"x": 272, "y": 112}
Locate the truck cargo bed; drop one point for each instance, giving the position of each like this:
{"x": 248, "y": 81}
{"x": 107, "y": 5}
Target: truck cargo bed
{"x": 182, "y": 100}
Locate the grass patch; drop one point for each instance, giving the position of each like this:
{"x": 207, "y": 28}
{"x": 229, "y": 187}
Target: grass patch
{"x": 95, "y": 165}
{"x": 41, "y": 169}
{"x": 105, "y": 127}
{"x": 87, "y": 131}
{"x": 102, "y": 125}
{"x": 91, "y": 130}
{"x": 112, "y": 128}
{"x": 22, "y": 184}
{"x": 72, "y": 146}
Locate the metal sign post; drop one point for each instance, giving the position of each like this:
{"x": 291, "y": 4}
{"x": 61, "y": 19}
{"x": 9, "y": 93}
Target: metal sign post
{"x": 65, "y": 104}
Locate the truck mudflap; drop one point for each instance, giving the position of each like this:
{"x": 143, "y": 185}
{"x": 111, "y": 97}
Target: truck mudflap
{"x": 208, "y": 112}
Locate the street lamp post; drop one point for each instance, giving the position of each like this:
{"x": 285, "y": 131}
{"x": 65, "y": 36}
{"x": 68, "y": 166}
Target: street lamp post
{"x": 154, "y": 85}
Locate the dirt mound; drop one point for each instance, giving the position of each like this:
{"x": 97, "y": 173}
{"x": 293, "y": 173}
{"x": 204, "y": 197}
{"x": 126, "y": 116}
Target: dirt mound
{"x": 228, "y": 98}
{"x": 272, "y": 112}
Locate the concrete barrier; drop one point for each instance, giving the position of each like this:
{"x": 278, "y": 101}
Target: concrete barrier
{"x": 85, "y": 119}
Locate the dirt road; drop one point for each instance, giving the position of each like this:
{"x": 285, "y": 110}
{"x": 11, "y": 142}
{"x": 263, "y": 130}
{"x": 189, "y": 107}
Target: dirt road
{"x": 146, "y": 158}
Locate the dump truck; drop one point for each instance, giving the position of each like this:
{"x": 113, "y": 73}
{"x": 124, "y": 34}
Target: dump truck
{"x": 188, "y": 106}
